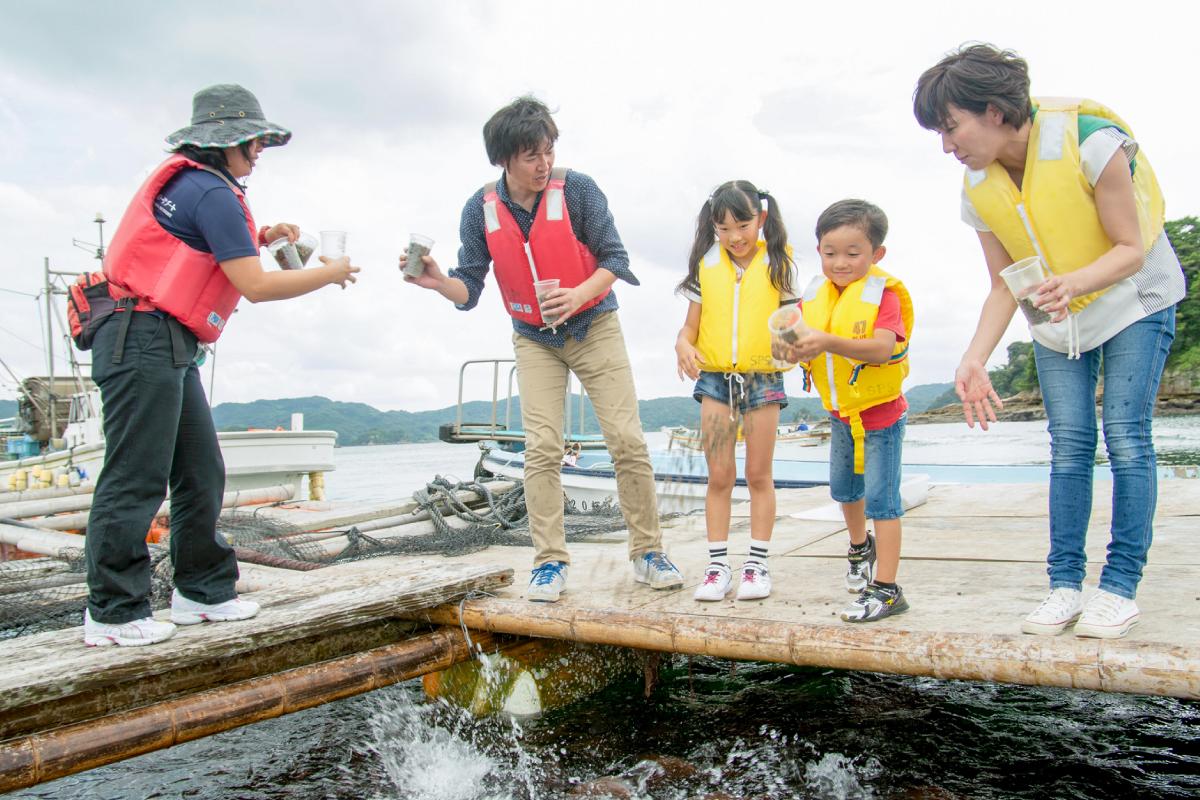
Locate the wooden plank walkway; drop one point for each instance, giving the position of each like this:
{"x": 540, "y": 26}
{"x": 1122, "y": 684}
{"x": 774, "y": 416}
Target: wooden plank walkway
{"x": 973, "y": 567}
{"x": 51, "y": 679}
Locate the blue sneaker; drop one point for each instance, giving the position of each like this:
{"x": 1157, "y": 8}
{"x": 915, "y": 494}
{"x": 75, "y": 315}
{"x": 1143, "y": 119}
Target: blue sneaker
{"x": 657, "y": 570}
{"x": 547, "y": 582}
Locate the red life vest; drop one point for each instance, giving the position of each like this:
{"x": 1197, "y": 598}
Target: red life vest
{"x": 165, "y": 271}
{"x": 552, "y": 249}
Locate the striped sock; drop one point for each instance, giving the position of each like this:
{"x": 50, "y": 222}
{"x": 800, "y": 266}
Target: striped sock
{"x": 718, "y": 553}
{"x": 758, "y": 553}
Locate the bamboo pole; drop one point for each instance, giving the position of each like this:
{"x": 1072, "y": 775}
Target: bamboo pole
{"x": 221, "y": 670}
{"x": 46, "y": 505}
{"x": 271, "y": 494}
{"x": 36, "y": 540}
{"x": 1111, "y": 666}
{"x": 41, "y": 583}
{"x": 43, "y": 757}
{"x": 87, "y": 487}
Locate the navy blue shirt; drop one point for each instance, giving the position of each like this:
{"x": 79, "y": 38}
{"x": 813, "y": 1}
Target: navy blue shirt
{"x": 594, "y": 227}
{"x": 200, "y": 209}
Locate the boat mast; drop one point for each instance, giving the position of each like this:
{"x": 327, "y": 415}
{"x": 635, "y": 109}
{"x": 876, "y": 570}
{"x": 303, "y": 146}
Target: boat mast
{"x": 51, "y": 290}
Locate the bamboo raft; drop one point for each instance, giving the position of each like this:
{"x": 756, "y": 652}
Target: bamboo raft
{"x": 973, "y": 566}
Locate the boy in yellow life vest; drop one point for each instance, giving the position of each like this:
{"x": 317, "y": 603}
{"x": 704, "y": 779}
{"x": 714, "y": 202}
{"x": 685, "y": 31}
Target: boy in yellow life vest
{"x": 859, "y": 320}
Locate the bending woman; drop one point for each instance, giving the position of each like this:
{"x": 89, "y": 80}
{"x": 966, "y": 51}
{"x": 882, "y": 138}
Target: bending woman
{"x": 1064, "y": 179}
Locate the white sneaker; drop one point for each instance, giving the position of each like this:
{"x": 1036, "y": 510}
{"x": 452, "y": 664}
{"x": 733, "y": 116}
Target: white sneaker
{"x": 137, "y": 633}
{"x": 717, "y": 579}
{"x": 657, "y": 570}
{"x": 189, "y": 612}
{"x": 1060, "y": 608}
{"x": 547, "y": 582}
{"x": 1107, "y": 616}
{"x": 756, "y": 582}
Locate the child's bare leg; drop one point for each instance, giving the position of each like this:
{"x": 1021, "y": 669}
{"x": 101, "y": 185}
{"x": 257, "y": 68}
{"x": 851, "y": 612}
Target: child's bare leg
{"x": 719, "y": 436}
{"x": 760, "y": 428}
{"x": 887, "y": 548}
{"x": 856, "y": 520}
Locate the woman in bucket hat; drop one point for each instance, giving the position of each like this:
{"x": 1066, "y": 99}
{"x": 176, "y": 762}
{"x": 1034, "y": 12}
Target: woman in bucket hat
{"x": 186, "y": 251}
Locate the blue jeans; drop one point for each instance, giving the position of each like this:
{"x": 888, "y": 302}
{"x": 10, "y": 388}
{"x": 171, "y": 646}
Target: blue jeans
{"x": 881, "y": 480}
{"x": 1133, "y": 364}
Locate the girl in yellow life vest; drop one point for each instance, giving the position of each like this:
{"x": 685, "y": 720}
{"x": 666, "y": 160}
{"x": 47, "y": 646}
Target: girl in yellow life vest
{"x": 734, "y": 283}
{"x": 1065, "y": 180}
{"x": 859, "y": 321}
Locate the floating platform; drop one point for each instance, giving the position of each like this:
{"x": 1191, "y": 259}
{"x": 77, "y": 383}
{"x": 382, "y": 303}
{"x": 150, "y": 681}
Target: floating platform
{"x": 973, "y": 565}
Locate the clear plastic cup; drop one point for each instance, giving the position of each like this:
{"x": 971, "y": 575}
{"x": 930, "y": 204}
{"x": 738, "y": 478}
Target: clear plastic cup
{"x": 418, "y": 246}
{"x": 286, "y": 255}
{"x": 293, "y": 255}
{"x": 1022, "y": 279}
{"x": 787, "y": 327}
{"x": 333, "y": 244}
{"x": 541, "y": 289}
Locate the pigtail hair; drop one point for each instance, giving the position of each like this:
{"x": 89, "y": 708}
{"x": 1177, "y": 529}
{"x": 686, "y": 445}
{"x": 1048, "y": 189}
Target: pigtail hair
{"x": 705, "y": 237}
{"x": 775, "y": 232}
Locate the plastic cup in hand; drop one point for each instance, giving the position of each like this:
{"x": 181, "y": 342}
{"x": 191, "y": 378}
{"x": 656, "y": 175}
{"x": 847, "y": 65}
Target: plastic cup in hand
{"x": 286, "y": 254}
{"x": 787, "y": 328}
{"x": 333, "y": 244}
{"x": 293, "y": 255}
{"x": 1023, "y": 278}
{"x": 542, "y": 289}
{"x": 787, "y": 324}
{"x": 418, "y": 246}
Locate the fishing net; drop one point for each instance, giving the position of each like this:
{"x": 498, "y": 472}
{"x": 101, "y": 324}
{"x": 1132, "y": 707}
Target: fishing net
{"x": 50, "y": 593}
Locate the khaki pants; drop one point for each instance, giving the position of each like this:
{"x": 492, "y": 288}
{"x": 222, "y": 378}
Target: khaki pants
{"x": 602, "y": 366}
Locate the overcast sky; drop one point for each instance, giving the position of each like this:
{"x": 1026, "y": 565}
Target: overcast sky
{"x": 658, "y": 101}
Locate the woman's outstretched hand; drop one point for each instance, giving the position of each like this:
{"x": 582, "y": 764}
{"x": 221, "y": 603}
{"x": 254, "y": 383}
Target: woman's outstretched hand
{"x": 974, "y": 389}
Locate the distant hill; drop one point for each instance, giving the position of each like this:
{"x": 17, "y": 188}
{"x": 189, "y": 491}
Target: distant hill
{"x": 927, "y": 396}
{"x": 8, "y": 408}
{"x": 359, "y": 423}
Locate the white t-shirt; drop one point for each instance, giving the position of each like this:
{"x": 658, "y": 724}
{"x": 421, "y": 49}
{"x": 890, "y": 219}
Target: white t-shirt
{"x": 1157, "y": 285}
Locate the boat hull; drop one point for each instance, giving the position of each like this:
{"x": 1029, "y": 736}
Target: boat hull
{"x": 253, "y": 459}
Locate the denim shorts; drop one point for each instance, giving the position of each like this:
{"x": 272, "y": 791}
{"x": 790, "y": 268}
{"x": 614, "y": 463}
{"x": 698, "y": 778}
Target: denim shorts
{"x": 880, "y": 482}
{"x": 745, "y": 391}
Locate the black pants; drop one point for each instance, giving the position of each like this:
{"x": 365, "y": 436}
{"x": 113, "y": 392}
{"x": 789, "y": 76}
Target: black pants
{"x": 158, "y": 432}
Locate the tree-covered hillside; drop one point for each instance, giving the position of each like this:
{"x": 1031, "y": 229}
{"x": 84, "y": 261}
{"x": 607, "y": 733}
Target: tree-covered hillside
{"x": 358, "y": 423}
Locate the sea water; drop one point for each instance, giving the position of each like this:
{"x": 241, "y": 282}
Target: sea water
{"x": 712, "y": 728}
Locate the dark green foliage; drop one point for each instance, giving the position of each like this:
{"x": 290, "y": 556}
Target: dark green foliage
{"x": 1185, "y": 238}
{"x": 927, "y": 396}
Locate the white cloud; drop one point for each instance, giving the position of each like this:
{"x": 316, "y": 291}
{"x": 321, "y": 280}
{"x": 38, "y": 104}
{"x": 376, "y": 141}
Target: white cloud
{"x": 658, "y": 101}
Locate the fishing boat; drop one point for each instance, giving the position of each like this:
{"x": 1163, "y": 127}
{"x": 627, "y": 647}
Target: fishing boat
{"x": 57, "y": 439}
{"x": 799, "y": 434}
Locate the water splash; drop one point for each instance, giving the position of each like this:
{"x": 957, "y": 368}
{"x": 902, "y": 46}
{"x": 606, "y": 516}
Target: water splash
{"x": 434, "y": 751}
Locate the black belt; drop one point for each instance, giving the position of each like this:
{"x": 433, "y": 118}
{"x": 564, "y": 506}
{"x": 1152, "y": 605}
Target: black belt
{"x": 179, "y": 355}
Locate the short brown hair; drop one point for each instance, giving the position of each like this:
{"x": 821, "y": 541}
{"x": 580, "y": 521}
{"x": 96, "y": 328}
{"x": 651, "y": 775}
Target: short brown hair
{"x": 521, "y": 125}
{"x": 867, "y": 217}
{"x": 972, "y": 78}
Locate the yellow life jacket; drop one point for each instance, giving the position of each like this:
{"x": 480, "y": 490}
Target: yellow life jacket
{"x": 849, "y": 387}
{"x": 733, "y": 334}
{"x": 1054, "y": 214}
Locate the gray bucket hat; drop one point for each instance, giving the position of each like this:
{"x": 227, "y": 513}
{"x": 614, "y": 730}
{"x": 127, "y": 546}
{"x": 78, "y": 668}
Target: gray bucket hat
{"x": 227, "y": 115}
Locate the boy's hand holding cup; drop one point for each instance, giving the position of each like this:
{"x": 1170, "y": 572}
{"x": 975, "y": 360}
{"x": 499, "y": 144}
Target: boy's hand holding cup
{"x": 787, "y": 330}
